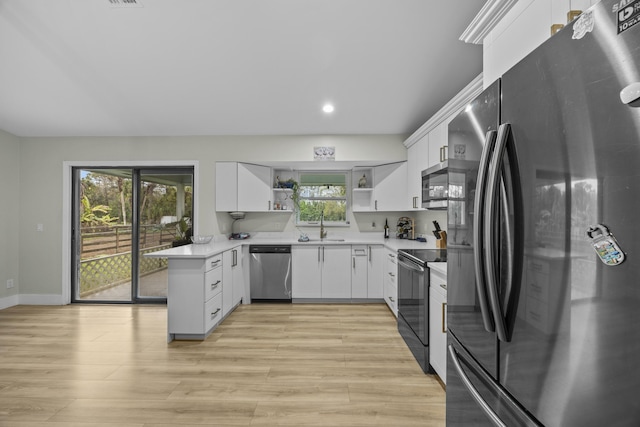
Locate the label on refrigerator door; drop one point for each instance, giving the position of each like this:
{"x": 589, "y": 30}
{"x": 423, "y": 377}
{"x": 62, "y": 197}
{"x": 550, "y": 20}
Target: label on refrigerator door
{"x": 627, "y": 14}
{"x": 605, "y": 245}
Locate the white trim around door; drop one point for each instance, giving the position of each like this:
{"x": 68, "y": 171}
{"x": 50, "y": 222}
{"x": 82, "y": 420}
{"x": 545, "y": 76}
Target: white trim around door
{"x": 67, "y": 183}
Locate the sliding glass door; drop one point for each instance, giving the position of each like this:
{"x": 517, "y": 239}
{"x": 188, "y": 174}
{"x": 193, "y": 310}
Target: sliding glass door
{"x": 119, "y": 214}
{"x": 165, "y": 214}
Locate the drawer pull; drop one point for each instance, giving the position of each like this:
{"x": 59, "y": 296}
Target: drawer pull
{"x": 215, "y": 263}
{"x": 214, "y": 314}
{"x": 444, "y": 317}
{"x": 391, "y": 299}
{"x": 215, "y": 285}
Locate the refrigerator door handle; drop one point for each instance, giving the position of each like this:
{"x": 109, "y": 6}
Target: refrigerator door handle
{"x": 478, "y": 219}
{"x": 489, "y": 231}
{"x": 495, "y": 419}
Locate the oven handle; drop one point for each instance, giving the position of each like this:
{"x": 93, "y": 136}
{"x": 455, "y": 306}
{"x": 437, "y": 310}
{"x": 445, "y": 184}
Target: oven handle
{"x": 413, "y": 267}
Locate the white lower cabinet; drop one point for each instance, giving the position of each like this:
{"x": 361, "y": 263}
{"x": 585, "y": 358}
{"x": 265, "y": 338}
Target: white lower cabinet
{"x": 366, "y": 272}
{"x": 194, "y": 298}
{"x": 321, "y": 271}
{"x": 390, "y": 280}
{"x": 202, "y": 292}
{"x": 375, "y": 268}
{"x": 438, "y": 324}
{"x": 233, "y": 288}
{"x": 359, "y": 273}
{"x": 237, "y": 274}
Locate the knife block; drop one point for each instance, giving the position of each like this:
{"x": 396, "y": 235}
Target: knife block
{"x": 441, "y": 243}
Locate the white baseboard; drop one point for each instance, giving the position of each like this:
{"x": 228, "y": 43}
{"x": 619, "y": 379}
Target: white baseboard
{"x": 9, "y": 301}
{"x": 39, "y": 299}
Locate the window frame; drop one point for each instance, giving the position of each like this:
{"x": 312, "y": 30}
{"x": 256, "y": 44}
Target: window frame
{"x": 346, "y": 198}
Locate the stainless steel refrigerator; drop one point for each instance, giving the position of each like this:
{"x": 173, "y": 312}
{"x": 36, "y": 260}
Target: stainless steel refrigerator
{"x": 544, "y": 235}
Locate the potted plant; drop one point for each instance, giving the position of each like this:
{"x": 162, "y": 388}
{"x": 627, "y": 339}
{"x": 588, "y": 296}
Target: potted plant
{"x": 290, "y": 184}
{"x": 183, "y": 232}
{"x": 295, "y": 195}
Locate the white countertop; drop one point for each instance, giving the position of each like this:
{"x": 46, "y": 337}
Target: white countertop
{"x": 222, "y": 243}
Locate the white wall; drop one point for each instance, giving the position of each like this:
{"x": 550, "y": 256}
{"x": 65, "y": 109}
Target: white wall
{"x": 9, "y": 217}
{"x": 41, "y": 183}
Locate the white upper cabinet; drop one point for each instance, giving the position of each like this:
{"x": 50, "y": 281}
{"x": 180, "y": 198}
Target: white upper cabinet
{"x": 429, "y": 145}
{"x": 226, "y": 186}
{"x": 438, "y": 144}
{"x": 385, "y": 188}
{"x": 417, "y": 161}
{"x": 526, "y": 25}
{"x": 390, "y": 189}
{"x": 254, "y": 188}
{"x": 243, "y": 187}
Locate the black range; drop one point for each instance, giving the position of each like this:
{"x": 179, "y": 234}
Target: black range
{"x": 423, "y": 256}
{"x": 413, "y": 300}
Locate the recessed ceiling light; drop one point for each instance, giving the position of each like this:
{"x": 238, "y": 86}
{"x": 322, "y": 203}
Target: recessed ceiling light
{"x": 328, "y": 108}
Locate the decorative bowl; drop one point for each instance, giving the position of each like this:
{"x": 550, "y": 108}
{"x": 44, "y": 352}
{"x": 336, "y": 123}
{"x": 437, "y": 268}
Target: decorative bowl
{"x": 201, "y": 240}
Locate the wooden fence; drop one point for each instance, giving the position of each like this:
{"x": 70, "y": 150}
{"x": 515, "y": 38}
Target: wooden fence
{"x": 106, "y": 255}
{"x": 100, "y": 241}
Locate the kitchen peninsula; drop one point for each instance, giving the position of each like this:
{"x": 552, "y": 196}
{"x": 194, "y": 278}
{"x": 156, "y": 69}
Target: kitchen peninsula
{"x": 208, "y": 281}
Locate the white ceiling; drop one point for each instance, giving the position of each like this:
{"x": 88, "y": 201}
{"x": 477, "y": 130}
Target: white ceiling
{"x": 230, "y": 67}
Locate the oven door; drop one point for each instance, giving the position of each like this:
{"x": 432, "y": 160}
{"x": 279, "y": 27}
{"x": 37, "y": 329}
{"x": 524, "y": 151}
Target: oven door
{"x": 413, "y": 304}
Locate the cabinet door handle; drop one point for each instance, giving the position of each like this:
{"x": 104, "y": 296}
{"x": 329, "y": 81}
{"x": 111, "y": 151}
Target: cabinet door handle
{"x": 391, "y": 299}
{"x": 214, "y": 314}
{"x": 444, "y": 317}
{"x": 269, "y": 205}
{"x": 369, "y": 248}
{"x": 391, "y": 274}
{"x": 323, "y": 254}
{"x": 354, "y": 262}
{"x": 318, "y": 254}
{"x": 215, "y": 285}
{"x": 376, "y": 205}
{"x": 235, "y": 258}
{"x": 415, "y": 202}
{"x": 443, "y": 153}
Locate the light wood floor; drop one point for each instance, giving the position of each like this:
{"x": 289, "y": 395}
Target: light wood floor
{"x": 266, "y": 365}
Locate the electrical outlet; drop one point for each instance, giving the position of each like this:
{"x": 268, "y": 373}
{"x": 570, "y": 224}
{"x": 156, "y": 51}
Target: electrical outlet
{"x": 9, "y": 283}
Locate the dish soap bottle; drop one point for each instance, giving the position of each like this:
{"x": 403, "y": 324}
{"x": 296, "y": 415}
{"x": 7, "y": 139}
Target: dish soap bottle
{"x": 386, "y": 229}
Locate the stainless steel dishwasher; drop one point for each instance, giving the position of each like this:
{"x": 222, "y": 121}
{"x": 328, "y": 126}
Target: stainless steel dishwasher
{"x": 270, "y": 273}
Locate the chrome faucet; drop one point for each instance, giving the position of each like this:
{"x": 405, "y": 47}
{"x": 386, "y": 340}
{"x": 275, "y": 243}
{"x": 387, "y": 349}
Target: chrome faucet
{"x": 323, "y": 232}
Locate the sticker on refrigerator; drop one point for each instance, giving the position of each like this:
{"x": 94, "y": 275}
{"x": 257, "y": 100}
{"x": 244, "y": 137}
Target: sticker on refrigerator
{"x": 605, "y": 245}
{"x": 627, "y": 14}
{"x": 583, "y": 25}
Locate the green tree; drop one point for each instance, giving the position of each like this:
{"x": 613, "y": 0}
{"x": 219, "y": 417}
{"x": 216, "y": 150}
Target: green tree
{"x": 89, "y": 215}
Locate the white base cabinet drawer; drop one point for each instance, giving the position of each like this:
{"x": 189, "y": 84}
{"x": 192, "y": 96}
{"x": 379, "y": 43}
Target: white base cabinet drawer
{"x": 212, "y": 283}
{"x": 213, "y": 311}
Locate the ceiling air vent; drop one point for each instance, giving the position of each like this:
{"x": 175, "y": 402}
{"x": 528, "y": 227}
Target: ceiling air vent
{"x": 125, "y": 3}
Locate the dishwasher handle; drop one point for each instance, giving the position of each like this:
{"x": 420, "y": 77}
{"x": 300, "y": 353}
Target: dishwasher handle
{"x": 270, "y": 249}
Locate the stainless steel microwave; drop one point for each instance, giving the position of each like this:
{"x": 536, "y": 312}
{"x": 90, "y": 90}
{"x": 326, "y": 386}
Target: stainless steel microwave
{"x": 435, "y": 186}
